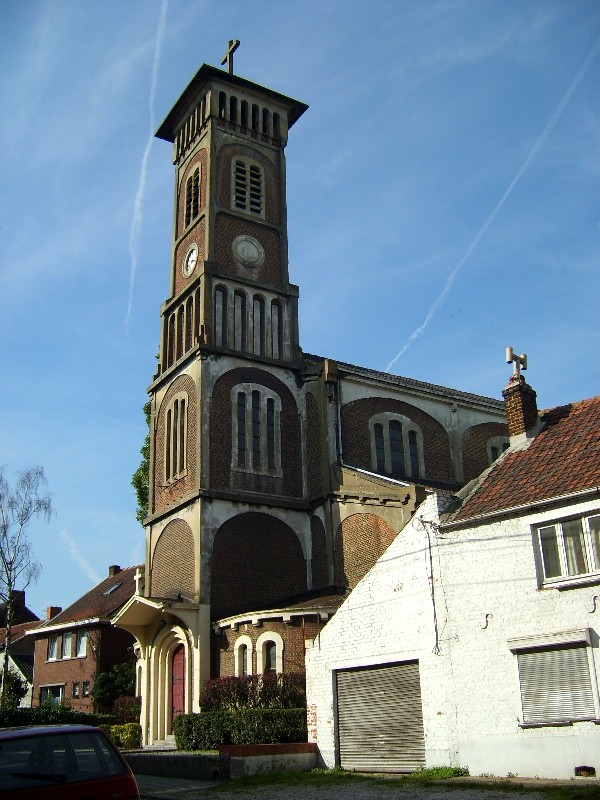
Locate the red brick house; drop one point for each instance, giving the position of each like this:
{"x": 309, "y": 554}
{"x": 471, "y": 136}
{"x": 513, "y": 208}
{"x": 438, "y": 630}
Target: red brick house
{"x": 73, "y": 646}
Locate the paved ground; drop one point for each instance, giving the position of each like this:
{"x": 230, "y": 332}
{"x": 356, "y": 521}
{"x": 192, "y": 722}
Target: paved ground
{"x": 155, "y": 788}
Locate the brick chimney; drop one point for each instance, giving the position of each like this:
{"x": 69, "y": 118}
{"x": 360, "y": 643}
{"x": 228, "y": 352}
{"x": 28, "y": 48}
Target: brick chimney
{"x": 113, "y": 570}
{"x": 521, "y": 406}
{"x": 52, "y": 611}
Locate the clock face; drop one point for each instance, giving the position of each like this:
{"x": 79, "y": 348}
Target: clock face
{"x": 248, "y": 251}
{"x": 190, "y": 260}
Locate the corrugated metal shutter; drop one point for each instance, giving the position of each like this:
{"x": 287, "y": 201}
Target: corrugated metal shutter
{"x": 380, "y": 718}
{"x": 555, "y": 684}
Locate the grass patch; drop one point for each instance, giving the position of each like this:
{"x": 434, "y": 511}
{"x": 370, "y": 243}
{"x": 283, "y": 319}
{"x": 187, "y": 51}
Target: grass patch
{"x": 322, "y": 777}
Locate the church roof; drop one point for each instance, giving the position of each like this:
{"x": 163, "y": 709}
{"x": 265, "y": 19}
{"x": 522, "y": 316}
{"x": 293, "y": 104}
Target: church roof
{"x": 101, "y": 602}
{"x": 407, "y": 383}
{"x": 195, "y": 87}
{"x": 561, "y": 461}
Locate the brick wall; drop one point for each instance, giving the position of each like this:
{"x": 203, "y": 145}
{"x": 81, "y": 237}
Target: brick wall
{"x": 228, "y": 227}
{"x": 106, "y": 646}
{"x": 256, "y": 560}
{"x": 314, "y": 447}
{"x": 474, "y": 447}
{"x": 173, "y": 562}
{"x": 221, "y": 423}
{"x": 226, "y": 154}
{"x": 356, "y": 441}
{"x": 293, "y": 634}
{"x": 359, "y": 541}
{"x": 167, "y": 495}
{"x": 320, "y": 561}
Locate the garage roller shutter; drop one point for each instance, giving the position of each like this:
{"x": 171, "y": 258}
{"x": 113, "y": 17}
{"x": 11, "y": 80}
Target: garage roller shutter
{"x": 380, "y": 718}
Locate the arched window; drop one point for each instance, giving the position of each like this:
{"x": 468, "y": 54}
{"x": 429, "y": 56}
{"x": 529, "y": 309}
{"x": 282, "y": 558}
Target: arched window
{"x": 220, "y": 317}
{"x": 247, "y": 187}
{"x": 266, "y": 120}
{"x": 244, "y": 114}
{"x": 192, "y": 197}
{"x": 189, "y": 322}
{"x": 176, "y": 438}
{"x": 276, "y": 329}
{"x": 242, "y": 655}
{"x": 276, "y": 126}
{"x": 233, "y": 107}
{"x": 255, "y": 118}
{"x": 258, "y": 324}
{"x": 256, "y": 434}
{"x": 180, "y": 327}
{"x": 269, "y": 653}
{"x": 496, "y": 446}
{"x": 239, "y": 321}
{"x": 222, "y": 104}
{"x": 396, "y": 446}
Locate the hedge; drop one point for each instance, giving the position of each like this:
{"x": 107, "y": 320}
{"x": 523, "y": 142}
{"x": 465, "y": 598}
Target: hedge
{"x": 209, "y": 729}
{"x": 286, "y": 690}
{"x": 50, "y": 715}
{"x": 127, "y": 736}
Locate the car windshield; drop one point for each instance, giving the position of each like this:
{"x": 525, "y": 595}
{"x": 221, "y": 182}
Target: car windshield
{"x": 55, "y": 758}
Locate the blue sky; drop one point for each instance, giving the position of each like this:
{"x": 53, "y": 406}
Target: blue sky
{"x": 443, "y": 203}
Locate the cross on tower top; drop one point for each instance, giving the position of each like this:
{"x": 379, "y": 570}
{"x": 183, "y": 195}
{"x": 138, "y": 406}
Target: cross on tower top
{"x": 232, "y": 46}
{"x": 518, "y": 362}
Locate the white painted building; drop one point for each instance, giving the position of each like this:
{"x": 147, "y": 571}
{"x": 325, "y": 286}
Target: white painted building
{"x": 473, "y": 641}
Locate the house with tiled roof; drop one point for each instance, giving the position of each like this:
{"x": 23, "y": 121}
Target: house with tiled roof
{"x": 474, "y": 639}
{"x": 21, "y": 648}
{"x": 72, "y": 647}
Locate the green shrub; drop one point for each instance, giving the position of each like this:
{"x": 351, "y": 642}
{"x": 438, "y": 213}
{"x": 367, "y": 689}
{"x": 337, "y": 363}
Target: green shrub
{"x": 209, "y": 729}
{"x": 287, "y": 690}
{"x": 127, "y": 736}
{"x": 127, "y": 709}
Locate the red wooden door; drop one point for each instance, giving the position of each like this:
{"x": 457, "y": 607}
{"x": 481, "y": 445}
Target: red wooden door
{"x": 178, "y": 672}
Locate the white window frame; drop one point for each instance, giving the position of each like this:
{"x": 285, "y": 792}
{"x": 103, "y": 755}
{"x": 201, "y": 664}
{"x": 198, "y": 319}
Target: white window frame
{"x": 265, "y": 395}
{"x": 265, "y": 638}
{"x": 554, "y": 654}
{"x": 408, "y": 425}
{"x": 67, "y": 645}
{"x": 82, "y": 640}
{"x": 243, "y": 641}
{"x": 590, "y": 550}
{"x": 53, "y": 649}
{"x": 55, "y": 700}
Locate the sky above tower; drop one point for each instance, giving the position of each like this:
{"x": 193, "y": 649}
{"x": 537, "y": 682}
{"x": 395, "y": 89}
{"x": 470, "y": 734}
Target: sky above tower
{"x": 443, "y": 203}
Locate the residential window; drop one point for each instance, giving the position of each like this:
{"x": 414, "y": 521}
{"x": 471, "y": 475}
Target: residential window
{"x": 192, "y": 196}
{"x": 67, "y": 645}
{"x": 54, "y": 695}
{"x": 256, "y": 434}
{"x": 76, "y": 689}
{"x": 247, "y": 187}
{"x": 176, "y": 438}
{"x": 555, "y": 679}
{"x": 82, "y": 638}
{"x": 85, "y": 688}
{"x": 396, "y": 446}
{"x": 569, "y": 548}
{"x": 53, "y": 647}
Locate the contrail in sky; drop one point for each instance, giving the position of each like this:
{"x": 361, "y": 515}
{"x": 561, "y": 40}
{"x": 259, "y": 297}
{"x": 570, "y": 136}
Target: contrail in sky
{"x": 534, "y": 151}
{"x": 80, "y": 559}
{"x": 136, "y": 221}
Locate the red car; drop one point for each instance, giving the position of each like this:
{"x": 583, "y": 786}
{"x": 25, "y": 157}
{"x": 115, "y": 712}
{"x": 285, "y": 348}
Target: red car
{"x": 63, "y": 762}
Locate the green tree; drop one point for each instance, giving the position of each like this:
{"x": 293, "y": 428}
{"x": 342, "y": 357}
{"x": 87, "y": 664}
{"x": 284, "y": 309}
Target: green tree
{"x": 119, "y": 681}
{"x": 18, "y": 507}
{"x": 140, "y": 479}
{"x": 13, "y": 690}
